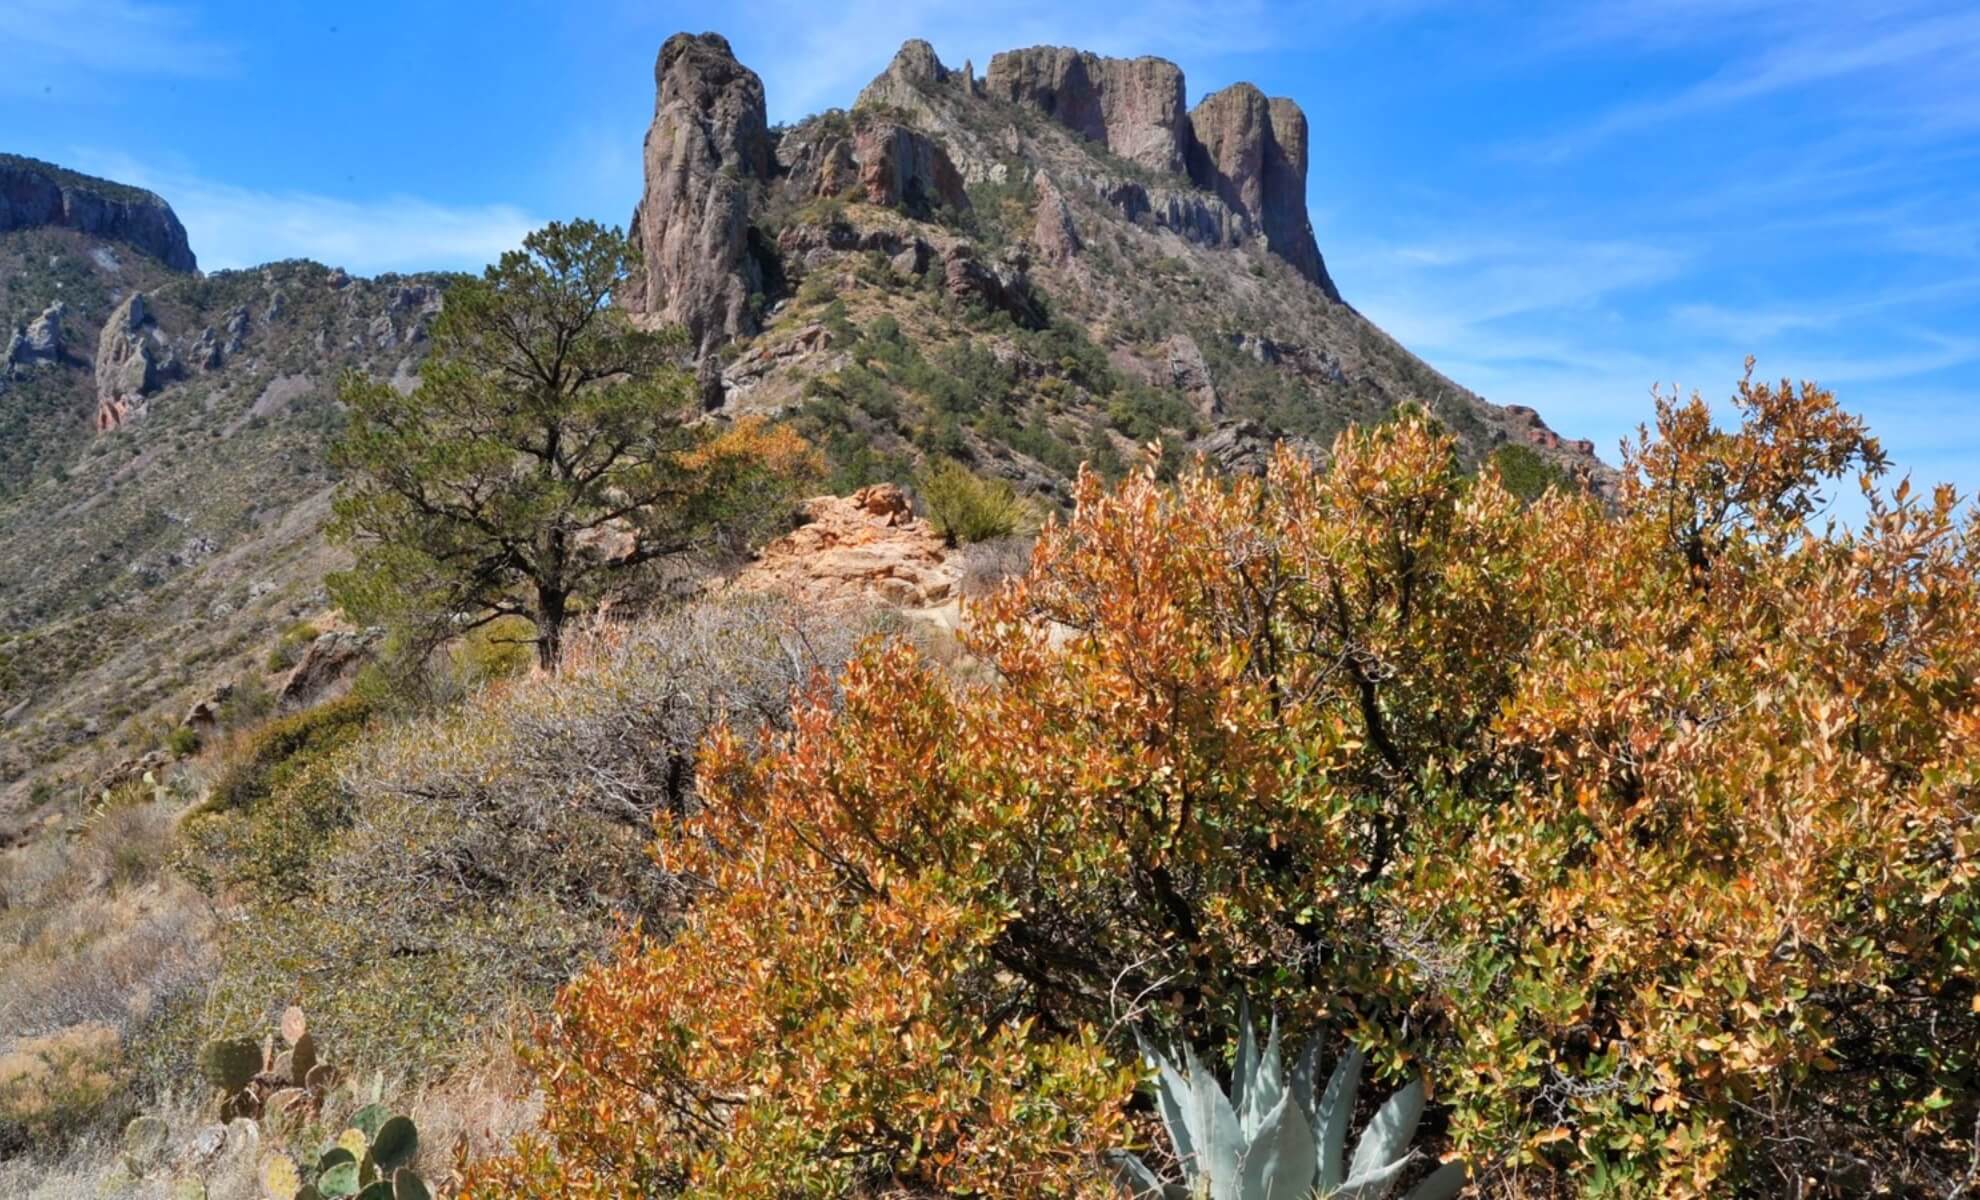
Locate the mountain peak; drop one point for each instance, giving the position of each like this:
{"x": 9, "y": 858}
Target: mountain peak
{"x": 35, "y": 193}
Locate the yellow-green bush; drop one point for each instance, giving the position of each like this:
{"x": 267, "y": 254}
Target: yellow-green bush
{"x": 965, "y": 507}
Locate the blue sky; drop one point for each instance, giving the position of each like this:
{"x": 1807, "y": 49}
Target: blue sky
{"x": 1557, "y": 204}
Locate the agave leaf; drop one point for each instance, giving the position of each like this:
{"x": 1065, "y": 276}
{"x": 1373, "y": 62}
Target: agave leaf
{"x": 1279, "y": 1163}
{"x": 1217, "y": 1150}
{"x": 1132, "y": 1176}
{"x": 1441, "y": 1184}
{"x": 1301, "y": 1077}
{"x": 1331, "y": 1120}
{"x": 1173, "y": 1097}
{"x": 1245, "y": 1068}
{"x": 1268, "y": 1084}
{"x": 1386, "y": 1140}
{"x": 1372, "y": 1186}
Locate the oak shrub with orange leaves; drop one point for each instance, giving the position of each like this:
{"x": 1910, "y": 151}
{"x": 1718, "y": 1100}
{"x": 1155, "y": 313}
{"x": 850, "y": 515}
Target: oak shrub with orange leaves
{"x": 1646, "y": 829}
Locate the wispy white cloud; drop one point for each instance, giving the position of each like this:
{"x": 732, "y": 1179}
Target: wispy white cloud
{"x": 1924, "y": 55}
{"x": 49, "y": 42}
{"x": 231, "y": 226}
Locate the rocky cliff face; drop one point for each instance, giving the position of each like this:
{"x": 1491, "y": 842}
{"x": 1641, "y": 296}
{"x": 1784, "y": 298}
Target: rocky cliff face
{"x": 709, "y": 143}
{"x": 35, "y": 193}
{"x": 1249, "y": 150}
{"x": 1132, "y": 106}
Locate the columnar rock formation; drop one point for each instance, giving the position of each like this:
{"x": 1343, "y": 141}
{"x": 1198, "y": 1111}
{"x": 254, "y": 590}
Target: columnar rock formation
{"x": 36, "y": 193}
{"x": 126, "y": 367}
{"x": 1250, "y": 151}
{"x": 708, "y": 145}
{"x": 1134, "y": 107}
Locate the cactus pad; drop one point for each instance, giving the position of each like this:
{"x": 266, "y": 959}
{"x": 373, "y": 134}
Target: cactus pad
{"x": 340, "y": 1180}
{"x": 144, "y": 1140}
{"x": 230, "y": 1064}
{"x": 279, "y": 1177}
{"x": 294, "y": 1025}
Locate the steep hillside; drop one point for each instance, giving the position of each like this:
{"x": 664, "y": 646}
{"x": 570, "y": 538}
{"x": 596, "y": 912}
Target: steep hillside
{"x": 162, "y": 475}
{"x": 1052, "y": 263}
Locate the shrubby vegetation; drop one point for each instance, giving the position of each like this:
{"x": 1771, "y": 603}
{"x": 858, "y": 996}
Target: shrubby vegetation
{"x": 417, "y": 883}
{"x": 1648, "y": 833}
{"x": 547, "y": 451}
{"x": 965, "y": 507}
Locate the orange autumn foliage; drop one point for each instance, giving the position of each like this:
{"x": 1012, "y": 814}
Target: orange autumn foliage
{"x": 1649, "y": 829}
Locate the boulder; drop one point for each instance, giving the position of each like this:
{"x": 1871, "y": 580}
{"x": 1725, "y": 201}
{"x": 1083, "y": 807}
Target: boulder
{"x": 708, "y": 145}
{"x": 42, "y": 341}
{"x": 325, "y": 669}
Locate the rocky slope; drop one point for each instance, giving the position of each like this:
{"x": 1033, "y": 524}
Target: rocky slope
{"x": 1054, "y": 263}
{"x": 162, "y": 475}
{"x": 1058, "y": 261}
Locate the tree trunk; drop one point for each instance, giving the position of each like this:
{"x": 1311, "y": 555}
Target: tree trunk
{"x": 550, "y": 615}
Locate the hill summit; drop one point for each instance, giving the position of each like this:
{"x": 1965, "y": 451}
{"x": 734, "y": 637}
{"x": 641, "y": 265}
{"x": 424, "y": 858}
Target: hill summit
{"x": 1098, "y": 265}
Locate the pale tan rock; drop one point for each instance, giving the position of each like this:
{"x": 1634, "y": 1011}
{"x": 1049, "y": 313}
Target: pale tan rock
{"x": 861, "y": 549}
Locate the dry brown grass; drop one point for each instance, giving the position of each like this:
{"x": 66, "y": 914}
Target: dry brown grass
{"x": 100, "y": 942}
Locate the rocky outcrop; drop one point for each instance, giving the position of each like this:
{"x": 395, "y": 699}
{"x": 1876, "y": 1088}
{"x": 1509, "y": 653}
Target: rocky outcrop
{"x": 39, "y": 341}
{"x": 1245, "y": 447}
{"x": 35, "y": 193}
{"x": 708, "y": 145}
{"x": 1190, "y": 375}
{"x": 1191, "y": 214}
{"x": 1251, "y": 152}
{"x": 326, "y": 668}
{"x": 865, "y": 548}
{"x": 1003, "y": 287}
{"x": 904, "y": 168}
{"x": 907, "y": 82}
{"x": 1052, "y": 229}
{"x": 127, "y": 366}
{"x": 1134, "y": 107}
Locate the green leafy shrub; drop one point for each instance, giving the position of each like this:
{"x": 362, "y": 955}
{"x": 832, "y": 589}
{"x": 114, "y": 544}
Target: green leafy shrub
{"x": 183, "y": 741}
{"x": 964, "y": 507}
{"x": 1524, "y": 473}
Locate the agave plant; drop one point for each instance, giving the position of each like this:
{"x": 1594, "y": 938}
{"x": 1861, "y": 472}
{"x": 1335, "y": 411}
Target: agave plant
{"x": 1274, "y": 1137}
